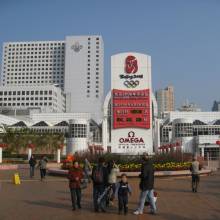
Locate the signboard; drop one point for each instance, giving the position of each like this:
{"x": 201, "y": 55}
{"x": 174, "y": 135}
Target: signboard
{"x": 131, "y": 140}
{"x": 131, "y": 131}
{"x": 131, "y": 109}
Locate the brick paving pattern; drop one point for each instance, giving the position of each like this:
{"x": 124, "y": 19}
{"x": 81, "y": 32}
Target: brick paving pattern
{"x": 50, "y": 200}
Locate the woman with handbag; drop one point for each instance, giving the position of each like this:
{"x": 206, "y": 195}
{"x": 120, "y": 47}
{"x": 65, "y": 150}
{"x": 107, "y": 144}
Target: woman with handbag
{"x": 75, "y": 177}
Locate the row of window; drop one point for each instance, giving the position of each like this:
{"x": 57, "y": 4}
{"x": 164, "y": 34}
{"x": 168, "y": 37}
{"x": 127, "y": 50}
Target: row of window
{"x": 27, "y": 98}
{"x": 37, "y": 92}
{"x": 78, "y": 130}
{"x": 13, "y": 54}
{"x": 89, "y": 38}
{"x": 12, "y": 66}
{"x": 27, "y": 77}
{"x": 27, "y": 104}
{"x": 30, "y": 70}
{"x": 188, "y": 132}
{"x": 33, "y": 48}
{"x": 34, "y": 82}
{"x": 36, "y": 44}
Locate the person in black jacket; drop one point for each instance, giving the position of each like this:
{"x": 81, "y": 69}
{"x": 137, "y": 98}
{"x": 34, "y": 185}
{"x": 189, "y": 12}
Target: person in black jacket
{"x": 32, "y": 163}
{"x": 146, "y": 186}
{"x": 100, "y": 183}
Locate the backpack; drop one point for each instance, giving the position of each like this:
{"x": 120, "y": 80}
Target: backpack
{"x": 97, "y": 175}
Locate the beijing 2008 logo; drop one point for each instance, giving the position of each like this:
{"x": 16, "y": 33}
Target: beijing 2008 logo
{"x": 130, "y": 68}
{"x": 131, "y": 64}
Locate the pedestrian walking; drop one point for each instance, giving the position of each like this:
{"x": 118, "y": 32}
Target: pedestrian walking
{"x": 87, "y": 169}
{"x": 123, "y": 190}
{"x": 43, "y": 167}
{"x": 112, "y": 178}
{"x": 194, "y": 168}
{"x": 146, "y": 186}
{"x": 100, "y": 182}
{"x": 75, "y": 176}
{"x": 32, "y": 163}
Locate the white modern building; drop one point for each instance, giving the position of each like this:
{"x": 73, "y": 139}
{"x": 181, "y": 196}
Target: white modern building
{"x": 33, "y": 63}
{"x": 47, "y": 98}
{"x": 75, "y": 65}
{"x": 84, "y": 57}
{"x": 80, "y": 130}
{"x": 77, "y": 140}
{"x": 196, "y": 132}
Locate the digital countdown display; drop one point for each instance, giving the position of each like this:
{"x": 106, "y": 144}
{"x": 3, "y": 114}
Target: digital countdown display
{"x": 131, "y": 108}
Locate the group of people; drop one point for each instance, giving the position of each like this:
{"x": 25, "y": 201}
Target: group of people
{"x": 106, "y": 187}
{"x": 42, "y": 164}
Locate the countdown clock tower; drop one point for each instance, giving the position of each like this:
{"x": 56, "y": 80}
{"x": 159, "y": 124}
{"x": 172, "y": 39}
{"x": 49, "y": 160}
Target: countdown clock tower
{"x": 131, "y": 104}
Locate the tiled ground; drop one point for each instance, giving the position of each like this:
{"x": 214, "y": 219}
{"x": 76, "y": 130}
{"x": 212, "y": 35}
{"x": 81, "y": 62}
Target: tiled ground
{"x": 50, "y": 200}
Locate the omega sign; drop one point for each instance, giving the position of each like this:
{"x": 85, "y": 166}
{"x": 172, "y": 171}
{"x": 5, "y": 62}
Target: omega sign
{"x": 131, "y": 104}
{"x": 131, "y": 139}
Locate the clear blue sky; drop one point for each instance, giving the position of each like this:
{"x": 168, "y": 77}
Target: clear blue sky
{"x": 183, "y": 37}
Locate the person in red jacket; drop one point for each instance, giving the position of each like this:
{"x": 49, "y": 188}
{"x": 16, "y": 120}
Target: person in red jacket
{"x": 75, "y": 176}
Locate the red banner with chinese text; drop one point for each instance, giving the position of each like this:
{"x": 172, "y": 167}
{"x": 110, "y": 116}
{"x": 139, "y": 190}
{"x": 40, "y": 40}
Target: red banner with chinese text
{"x": 131, "y": 108}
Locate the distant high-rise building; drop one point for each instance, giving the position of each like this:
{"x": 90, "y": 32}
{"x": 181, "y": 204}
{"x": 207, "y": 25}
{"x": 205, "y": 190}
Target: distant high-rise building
{"x": 165, "y": 100}
{"x": 83, "y": 82}
{"x": 216, "y": 106}
{"x": 189, "y": 107}
{"x": 33, "y": 63}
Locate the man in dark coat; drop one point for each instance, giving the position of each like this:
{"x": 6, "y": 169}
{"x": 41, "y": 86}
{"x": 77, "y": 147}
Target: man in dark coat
{"x": 146, "y": 185}
{"x": 32, "y": 163}
{"x": 100, "y": 182}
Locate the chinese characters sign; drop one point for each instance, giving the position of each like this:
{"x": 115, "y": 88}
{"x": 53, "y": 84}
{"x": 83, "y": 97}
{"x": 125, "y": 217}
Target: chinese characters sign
{"x": 131, "y": 108}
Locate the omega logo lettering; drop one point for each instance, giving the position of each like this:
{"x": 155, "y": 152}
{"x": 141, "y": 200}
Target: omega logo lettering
{"x": 131, "y": 139}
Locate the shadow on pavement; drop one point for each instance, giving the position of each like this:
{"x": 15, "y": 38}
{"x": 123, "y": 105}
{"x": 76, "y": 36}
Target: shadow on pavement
{"x": 62, "y": 191}
{"x": 49, "y": 204}
{"x": 171, "y": 216}
{"x": 173, "y": 190}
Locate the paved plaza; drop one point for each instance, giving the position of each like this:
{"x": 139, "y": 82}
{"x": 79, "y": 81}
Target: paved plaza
{"x": 50, "y": 200}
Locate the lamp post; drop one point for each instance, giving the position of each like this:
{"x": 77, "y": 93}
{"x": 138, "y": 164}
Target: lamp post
{"x": 1, "y": 151}
{"x": 60, "y": 146}
{"x": 30, "y": 147}
{"x": 218, "y": 143}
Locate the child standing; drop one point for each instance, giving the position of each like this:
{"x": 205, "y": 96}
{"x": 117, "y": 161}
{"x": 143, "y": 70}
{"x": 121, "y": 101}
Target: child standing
{"x": 123, "y": 190}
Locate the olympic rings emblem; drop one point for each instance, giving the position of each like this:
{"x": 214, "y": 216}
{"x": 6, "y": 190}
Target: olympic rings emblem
{"x": 131, "y": 83}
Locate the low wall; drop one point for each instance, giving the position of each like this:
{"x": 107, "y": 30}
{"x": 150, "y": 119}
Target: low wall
{"x": 25, "y": 166}
{"x": 60, "y": 172}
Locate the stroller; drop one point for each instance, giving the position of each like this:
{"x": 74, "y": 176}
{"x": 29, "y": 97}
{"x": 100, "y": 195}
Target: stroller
{"x": 105, "y": 194}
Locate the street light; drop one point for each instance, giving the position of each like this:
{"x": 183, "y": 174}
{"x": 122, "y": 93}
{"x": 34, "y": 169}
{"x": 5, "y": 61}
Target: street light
{"x": 1, "y": 150}
{"x": 58, "y": 151}
{"x": 218, "y": 143}
{"x": 30, "y": 147}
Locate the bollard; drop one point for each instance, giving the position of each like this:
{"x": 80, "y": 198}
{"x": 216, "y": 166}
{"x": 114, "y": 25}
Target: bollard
{"x": 16, "y": 179}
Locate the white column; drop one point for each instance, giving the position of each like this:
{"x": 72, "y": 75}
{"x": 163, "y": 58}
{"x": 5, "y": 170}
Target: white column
{"x": 203, "y": 152}
{"x": 105, "y": 133}
{"x": 29, "y": 153}
{"x": 58, "y": 155}
{"x": 0, "y": 154}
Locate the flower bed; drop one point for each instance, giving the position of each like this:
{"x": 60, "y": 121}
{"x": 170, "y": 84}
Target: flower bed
{"x": 133, "y": 167}
{"x": 171, "y": 166}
